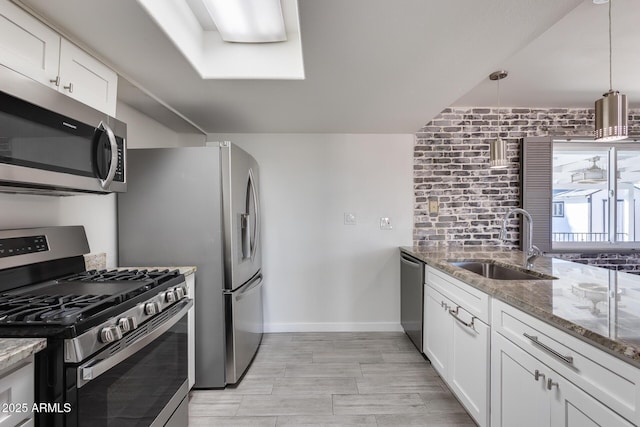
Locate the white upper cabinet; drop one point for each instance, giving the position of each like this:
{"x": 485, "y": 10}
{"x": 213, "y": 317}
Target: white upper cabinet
{"x": 86, "y": 79}
{"x": 27, "y": 46}
{"x": 34, "y": 50}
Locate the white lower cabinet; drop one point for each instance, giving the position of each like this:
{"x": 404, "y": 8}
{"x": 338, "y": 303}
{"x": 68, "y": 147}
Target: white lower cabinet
{"x": 469, "y": 365}
{"x": 437, "y": 330}
{"x": 16, "y": 394}
{"x": 457, "y": 344}
{"x": 527, "y": 393}
{"x": 521, "y": 371}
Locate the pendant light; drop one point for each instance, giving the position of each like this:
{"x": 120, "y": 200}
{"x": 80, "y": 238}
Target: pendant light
{"x": 611, "y": 110}
{"x": 498, "y": 147}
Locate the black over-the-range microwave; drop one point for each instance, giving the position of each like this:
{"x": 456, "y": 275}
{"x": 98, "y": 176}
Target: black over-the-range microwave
{"x": 74, "y": 149}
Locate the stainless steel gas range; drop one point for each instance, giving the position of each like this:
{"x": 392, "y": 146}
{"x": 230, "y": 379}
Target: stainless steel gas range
{"x": 116, "y": 340}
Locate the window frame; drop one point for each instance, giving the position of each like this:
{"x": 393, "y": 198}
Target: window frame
{"x": 536, "y": 178}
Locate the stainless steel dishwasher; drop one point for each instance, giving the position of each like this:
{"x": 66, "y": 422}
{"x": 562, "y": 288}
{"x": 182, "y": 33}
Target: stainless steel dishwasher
{"x": 412, "y": 297}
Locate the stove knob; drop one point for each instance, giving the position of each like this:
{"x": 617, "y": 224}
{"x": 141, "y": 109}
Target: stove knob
{"x": 124, "y": 325}
{"x": 151, "y": 308}
{"x": 170, "y": 296}
{"x": 133, "y": 323}
{"x": 127, "y": 324}
{"x": 180, "y": 292}
{"x": 110, "y": 334}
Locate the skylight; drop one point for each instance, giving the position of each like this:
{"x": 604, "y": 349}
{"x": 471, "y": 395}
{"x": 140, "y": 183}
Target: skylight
{"x": 218, "y": 50}
{"x": 248, "y": 21}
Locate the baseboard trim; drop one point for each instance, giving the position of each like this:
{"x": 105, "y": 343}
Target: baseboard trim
{"x": 333, "y": 327}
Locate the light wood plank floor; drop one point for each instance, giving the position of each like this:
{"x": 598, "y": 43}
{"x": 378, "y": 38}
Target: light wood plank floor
{"x": 332, "y": 379}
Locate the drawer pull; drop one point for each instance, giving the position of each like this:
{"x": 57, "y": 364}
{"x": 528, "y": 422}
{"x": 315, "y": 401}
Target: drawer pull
{"x": 534, "y": 339}
{"x": 551, "y": 384}
{"x": 537, "y": 375}
{"x": 454, "y": 313}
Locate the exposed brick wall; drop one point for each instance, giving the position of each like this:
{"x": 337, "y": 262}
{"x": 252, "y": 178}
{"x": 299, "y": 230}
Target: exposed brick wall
{"x": 451, "y": 163}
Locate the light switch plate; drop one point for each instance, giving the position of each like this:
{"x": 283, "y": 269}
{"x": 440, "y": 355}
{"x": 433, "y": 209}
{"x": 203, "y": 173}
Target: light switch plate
{"x": 350, "y": 218}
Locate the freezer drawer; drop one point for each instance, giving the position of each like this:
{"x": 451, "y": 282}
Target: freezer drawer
{"x": 244, "y": 327}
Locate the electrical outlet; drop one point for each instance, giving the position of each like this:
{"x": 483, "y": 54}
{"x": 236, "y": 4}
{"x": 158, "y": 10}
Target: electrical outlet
{"x": 433, "y": 205}
{"x": 385, "y": 223}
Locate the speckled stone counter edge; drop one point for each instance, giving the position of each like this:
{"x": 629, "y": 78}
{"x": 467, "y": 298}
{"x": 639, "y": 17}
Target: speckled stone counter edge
{"x": 95, "y": 261}
{"x": 13, "y": 350}
{"x": 510, "y": 294}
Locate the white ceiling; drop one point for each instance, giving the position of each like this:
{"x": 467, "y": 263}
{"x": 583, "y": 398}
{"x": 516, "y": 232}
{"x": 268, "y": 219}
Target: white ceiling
{"x": 375, "y": 66}
{"x": 568, "y": 65}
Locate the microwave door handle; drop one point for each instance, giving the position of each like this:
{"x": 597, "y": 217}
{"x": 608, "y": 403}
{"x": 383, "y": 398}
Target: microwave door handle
{"x": 105, "y": 183}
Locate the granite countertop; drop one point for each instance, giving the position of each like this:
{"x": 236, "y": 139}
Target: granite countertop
{"x": 599, "y": 306}
{"x": 13, "y": 350}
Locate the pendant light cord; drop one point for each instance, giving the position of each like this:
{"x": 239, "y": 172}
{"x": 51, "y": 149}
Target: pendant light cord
{"x": 610, "y": 50}
{"x": 498, "y": 108}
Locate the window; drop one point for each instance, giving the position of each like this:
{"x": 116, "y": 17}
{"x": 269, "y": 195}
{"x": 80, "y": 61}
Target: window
{"x": 558, "y": 209}
{"x": 582, "y": 179}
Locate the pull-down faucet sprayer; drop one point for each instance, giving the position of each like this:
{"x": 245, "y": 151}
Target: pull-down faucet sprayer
{"x": 532, "y": 252}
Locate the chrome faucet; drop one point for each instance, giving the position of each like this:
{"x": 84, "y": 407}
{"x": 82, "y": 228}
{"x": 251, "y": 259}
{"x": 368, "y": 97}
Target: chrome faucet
{"x": 532, "y": 252}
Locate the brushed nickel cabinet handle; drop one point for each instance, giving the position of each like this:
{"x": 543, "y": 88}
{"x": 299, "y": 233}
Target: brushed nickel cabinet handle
{"x": 69, "y": 88}
{"x": 56, "y": 81}
{"x": 537, "y": 375}
{"x": 534, "y": 340}
{"x": 454, "y": 313}
{"x": 551, "y": 384}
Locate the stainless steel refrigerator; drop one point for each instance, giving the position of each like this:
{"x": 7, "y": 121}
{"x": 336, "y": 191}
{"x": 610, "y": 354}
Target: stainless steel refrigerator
{"x": 200, "y": 206}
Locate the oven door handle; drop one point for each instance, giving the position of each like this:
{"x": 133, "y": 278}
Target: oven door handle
{"x": 98, "y": 366}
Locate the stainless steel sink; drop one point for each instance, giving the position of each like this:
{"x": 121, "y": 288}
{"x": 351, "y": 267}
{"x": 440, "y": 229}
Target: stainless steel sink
{"x": 494, "y": 271}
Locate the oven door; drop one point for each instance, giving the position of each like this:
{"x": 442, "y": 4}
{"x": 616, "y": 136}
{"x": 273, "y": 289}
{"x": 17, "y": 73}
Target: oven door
{"x": 139, "y": 381}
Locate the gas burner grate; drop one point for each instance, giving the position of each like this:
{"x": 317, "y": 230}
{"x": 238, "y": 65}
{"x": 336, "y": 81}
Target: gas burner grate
{"x": 157, "y": 276}
{"x": 81, "y": 298}
{"x": 51, "y": 309}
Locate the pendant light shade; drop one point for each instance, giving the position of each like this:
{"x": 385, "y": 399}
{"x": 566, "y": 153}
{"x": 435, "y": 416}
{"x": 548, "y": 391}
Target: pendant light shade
{"x": 498, "y": 154}
{"x": 611, "y": 117}
{"x": 498, "y": 147}
{"x": 611, "y": 121}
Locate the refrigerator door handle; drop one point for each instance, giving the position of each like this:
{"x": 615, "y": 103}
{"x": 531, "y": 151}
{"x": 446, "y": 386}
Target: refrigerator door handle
{"x": 245, "y": 225}
{"x": 256, "y": 209}
{"x": 250, "y": 232}
{"x": 256, "y": 202}
{"x": 250, "y": 288}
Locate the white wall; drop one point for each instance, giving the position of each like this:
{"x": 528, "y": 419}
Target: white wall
{"x": 323, "y": 275}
